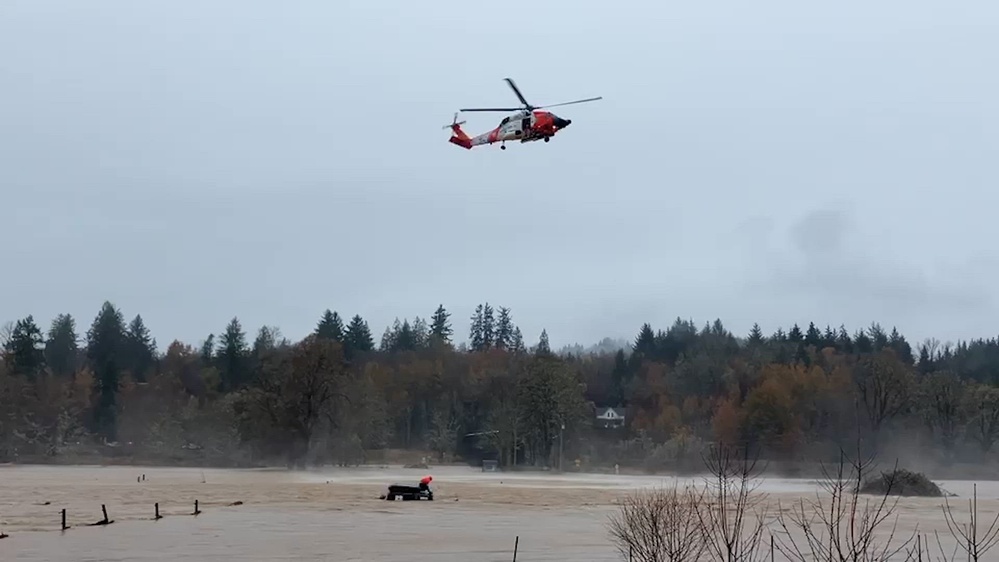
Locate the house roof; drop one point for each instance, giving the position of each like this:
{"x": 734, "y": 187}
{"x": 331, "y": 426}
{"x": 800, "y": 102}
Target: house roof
{"x": 604, "y": 411}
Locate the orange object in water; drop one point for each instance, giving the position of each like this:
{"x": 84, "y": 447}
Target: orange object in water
{"x": 426, "y": 479}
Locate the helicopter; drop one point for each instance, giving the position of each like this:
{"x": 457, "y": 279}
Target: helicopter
{"x": 528, "y": 124}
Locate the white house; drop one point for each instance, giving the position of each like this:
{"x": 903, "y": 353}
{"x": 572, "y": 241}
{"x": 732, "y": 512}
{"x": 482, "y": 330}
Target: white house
{"x": 610, "y": 417}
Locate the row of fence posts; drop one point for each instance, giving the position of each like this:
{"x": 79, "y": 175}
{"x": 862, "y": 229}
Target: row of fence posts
{"x": 106, "y": 521}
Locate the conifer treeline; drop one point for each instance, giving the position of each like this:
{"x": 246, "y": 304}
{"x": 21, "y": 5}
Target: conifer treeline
{"x": 336, "y": 396}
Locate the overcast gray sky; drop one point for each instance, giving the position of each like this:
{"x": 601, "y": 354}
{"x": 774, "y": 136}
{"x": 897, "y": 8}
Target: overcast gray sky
{"x": 772, "y": 161}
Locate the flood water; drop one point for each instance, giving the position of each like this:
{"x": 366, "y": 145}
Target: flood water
{"x": 336, "y": 514}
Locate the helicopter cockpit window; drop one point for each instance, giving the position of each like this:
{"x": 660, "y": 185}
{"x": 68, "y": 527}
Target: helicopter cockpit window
{"x": 505, "y": 121}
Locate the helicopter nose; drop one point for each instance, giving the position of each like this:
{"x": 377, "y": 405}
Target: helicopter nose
{"x": 561, "y": 123}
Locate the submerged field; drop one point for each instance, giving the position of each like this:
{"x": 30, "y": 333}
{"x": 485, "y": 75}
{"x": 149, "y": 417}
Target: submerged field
{"x": 335, "y": 514}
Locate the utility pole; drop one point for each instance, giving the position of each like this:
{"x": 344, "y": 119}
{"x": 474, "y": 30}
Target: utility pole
{"x": 560, "y": 432}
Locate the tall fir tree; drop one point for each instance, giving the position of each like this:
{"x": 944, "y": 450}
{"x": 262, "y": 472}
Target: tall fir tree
{"x": 330, "y": 326}
{"x": 388, "y": 337}
{"x": 207, "y": 351}
{"x": 517, "y": 341}
{"x": 107, "y": 349}
{"x": 232, "y": 357}
{"x": 24, "y": 352}
{"x": 357, "y": 337}
{"x": 488, "y": 327}
{"x": 405, "y": 339}
{"x": 756, "y": 338}
{"x": 795, "y": 335}
{"x": 141, "y": 349}
{"x": 543, "y": 348}
{"x": 504, "y": 328}
{"x": 62, "y": 351}
{"x": 813, "y": 336}
{"x": 645, "y": 342}
{"x": 421, "y": 333}
{"x": 440, "y": 325}
{"x": 476, "y": 338}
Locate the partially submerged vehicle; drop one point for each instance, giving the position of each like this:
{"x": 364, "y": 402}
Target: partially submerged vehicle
{"x": 408, "y": 493}
{"x": 421, "y": 491}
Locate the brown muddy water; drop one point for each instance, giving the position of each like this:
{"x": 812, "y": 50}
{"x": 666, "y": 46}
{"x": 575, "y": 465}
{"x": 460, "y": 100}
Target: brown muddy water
{"x": 336, "y": 515}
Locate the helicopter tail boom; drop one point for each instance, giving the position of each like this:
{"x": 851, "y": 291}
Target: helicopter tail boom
{"x": 458, "y": 136}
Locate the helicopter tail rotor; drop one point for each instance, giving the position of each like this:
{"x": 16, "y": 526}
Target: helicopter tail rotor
{"x": 454, "y": 123}
{"x": 458, "y": 136}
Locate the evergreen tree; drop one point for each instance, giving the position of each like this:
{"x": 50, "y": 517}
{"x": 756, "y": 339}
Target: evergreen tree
{"x": 517, "y": 341}
{"x": 879, "y": 339}
{"x": 330, "y": 326}
{"x": 440, "y": 325}
{"x": 862, "y": 343}
{"x": 388, "y": 339}
{"x": 106, "y": 351}
{"x": 843, "y": 341}
{"x": 488, "y": 327}
{"x": 141, "y": 349}
{"x": 405, "y": 339}
{"x": 645, "y": 343}
{"x": 756, "y": 338}
{"x": 543, "y": 348}
{"x": 208, "y": 350}
{"x": 813, "y": 336}
{"x": 504, "y": 328}
{"x": 795, "y": 335}
{"x": 232, "y": 357}
{"x": 925, "y": 363}
{"x": 421, "y": 333}
{"x": 390, "y": 336}
{"x": 902, "y": 348}
{"x": 476, "y": 337}
{"x": 61, "y": 348}
{"x": 24, "y": 351}
{"x": 779, "y": 336}
{"x": 357, "y": 337}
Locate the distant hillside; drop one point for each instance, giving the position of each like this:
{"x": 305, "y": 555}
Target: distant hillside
{"x": 606, "y": 346}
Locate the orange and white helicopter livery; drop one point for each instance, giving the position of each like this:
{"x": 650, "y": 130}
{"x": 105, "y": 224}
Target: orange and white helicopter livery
{"x": 526, "y": 125}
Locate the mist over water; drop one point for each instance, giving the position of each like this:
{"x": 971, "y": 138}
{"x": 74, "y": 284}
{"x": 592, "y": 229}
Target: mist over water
{"x": 336, "y": 514}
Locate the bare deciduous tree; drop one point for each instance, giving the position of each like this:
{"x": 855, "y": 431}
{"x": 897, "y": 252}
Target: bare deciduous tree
{"x": 660, "y": 525}
{"x": 967, "y": 535}
{"x": 883, "y": 383}
{"x": 982, "y": 404}
{"x": 844, "y": 527}
{"x": 731, "y": 490}
{"x": 942, "y": 395}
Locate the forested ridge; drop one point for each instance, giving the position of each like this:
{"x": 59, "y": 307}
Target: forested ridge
{"x": 340, "y": 395}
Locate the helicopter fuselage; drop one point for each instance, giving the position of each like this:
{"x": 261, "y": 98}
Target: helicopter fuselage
{"x": 523, "y": 126}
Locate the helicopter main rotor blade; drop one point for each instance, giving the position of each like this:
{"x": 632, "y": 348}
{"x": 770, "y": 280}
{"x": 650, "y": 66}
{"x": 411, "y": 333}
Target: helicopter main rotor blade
{"x": 516, "y": 90}
{"x": 505, "y": 109}
{"x": 571, "y": 102}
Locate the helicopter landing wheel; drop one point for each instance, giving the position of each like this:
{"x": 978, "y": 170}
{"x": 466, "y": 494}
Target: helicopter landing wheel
{"x": 502, "y": 147}
{"x": 547, "y": 139}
